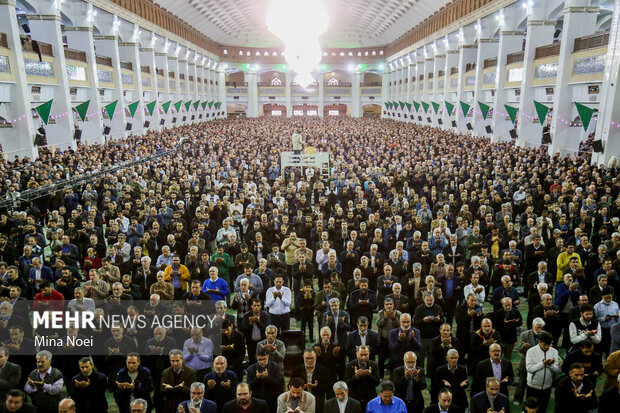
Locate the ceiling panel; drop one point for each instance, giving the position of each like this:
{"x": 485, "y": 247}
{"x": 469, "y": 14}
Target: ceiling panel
{"x": 352, "y": 23}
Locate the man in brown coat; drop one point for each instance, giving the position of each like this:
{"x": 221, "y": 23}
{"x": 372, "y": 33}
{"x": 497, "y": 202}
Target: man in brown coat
{"x": 175, "y": 381}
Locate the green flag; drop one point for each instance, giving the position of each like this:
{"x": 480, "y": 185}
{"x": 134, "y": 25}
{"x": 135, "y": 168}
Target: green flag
{"x": 217, "y": 105}
{"x": 133, "y": 107}
{"x": 449, "y": 107}
{"x": 196, "y": 104}
{"x": 166, "y": 106}
{"x": 44, "y": 110}
{"x": 585, "y": 113}
{"x": 81, "y": 109}
{"x": 188, "y": 105}
{"x": 177, "y": 105}
{"x": 425, "y": 106}
{"x": 465, "y": 108}
{"x": 541, "y": 110}
{"x": 204, "y": 105}
{"x": 211, "y": 104}
{"x": 416, "y": 105}
{"x": 512, "y": 112}
{"x": 109, "y": 109}
{"x": 387, "y": 106}
{"x": 151, "y": 107}
{"x": 408, "y": 106}
{"x": 402, "y": 104}
{"x": 436, "y": 107}
{"x": 484, "y": 108}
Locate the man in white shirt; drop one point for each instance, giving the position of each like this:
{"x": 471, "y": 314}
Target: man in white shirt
{"x": 475, "y": 289}
{"x": 541, "y": 363}
{"x": 278, "y": 301}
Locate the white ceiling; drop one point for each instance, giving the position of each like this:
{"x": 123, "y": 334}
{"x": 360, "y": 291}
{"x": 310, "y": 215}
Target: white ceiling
{"x": 352, "y": 23}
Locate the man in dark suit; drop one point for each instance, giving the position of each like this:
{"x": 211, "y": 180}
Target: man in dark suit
{"x": 536, "y": 277}
{"x": 362, "y": 301}
{"x": 444, "y": 404}
{"x": 88, "y": 388}
{"x": 486, "y": 368}
{"x": 10, "y": 374}
{"x": 221, "y": 383}
{"x": 245, "y": 401}
{"x": 362, "y": 377}
{"x": 403, "y": 339}
{"x": 409, "y": 382}
{"x": 175, "y": 381}
{"x": 320, "y": 380}
{"x": 253, "y": 327}
{"x": 440, "y": 346}
{"x": 265, "y": 378}
{"x": 126, "y": 387}
{"x": 451, "y": 375}
{"x": 197, "y": 400}
{"x": 370, "y": 338}
{"x": 341, "y": 391}
{"x": 490, "y": 398}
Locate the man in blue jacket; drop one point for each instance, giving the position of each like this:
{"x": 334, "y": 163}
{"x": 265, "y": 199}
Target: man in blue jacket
{"x": 133, "y": 380}
{"x": 197, "y": 401}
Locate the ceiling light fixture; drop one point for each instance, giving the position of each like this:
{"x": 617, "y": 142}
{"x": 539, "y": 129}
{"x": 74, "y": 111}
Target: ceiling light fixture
{"x": 299, "y": 23}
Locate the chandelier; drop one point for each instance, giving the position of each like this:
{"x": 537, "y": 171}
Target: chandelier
{"x": 299, "y": 23}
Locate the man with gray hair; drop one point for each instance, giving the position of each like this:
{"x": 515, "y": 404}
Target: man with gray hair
{"x": 45, "y": 384}
{"x": 175, "y": 380}
{"x": 490, "y": 399}
{"x": 409, "y": 381}
{"x": 529, "y": 339}
{"x": 197, "y": 402}
{"x": 139, "y": 406}
{"x": 341, "y": 403}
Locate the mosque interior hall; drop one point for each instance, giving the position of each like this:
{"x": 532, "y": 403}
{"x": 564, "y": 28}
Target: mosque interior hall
{"x": 309, "y": 206}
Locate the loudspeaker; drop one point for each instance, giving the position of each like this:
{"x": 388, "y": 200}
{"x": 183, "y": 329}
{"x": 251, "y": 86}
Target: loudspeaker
{"x": 399, "y": 115}
{"x": 597, "y": 146}
{"x": 440, "y": 121}
{"x": 469, "y": 127}
{"x": 193, "y": 117}
{"x": 26, "y": 28}
{"x": 106, "y": 130}
{"x": 161, "y": 122}
{"x": 513, "y": 133}
{"x": 146, "y": 124}
{"x": 454, "y": 124}
{"x": 200, "y": 116}
{"x": 420, "y": 118}
{"x": 128, "y": 126}
{"x": 488, "y": 129}
{"x": 428, "y": 120}
{"x": 77, "y": 135}
{"x": 41, "y": 130}
{"x": 174, "y": 120}
{"x": 184, "y": 117}
{"x": 39, "y": 140}
{"x": 546, "y": 138}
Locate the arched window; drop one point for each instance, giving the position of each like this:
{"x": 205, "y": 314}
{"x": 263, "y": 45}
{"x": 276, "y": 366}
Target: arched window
{"x": 332, "y": 82}
{"x": 276, "y": 82}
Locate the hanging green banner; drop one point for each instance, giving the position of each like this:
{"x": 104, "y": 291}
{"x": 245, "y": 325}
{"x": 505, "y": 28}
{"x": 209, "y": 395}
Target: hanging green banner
{"x": 402, "y": 105}
{"x": 151, "y": 107}
{"x": 196, "y": 104}
{"x": 188, "y": 105}
{"x": 512, "y": 112}
{"x": 211, "y": 104}
{"x": 217, "y": 105}
{"x": 81, "y": 110}
{"x": 44, "y": 111}
{"x": 436, "y": 107}
{"x": 110, "y": 108}
{"x": 133, "y": 107}
{"x": 204, "y": 105}
{"x": 166, "y": 106}
{"x": 408, "y": 106}
{"x": 465, "y": 108}
{"x": 449, "y": 107}
{"x": 585, "y": 114}
{"x": 390, "y": 105}
{"x": 177, "y": 105}
{"x": 484, "y": 108}
{"x": 425, "y": 106}
{"x": 416, "y": 105}
{"x": 541, "y": 110}
{"x": 387, "y": 105}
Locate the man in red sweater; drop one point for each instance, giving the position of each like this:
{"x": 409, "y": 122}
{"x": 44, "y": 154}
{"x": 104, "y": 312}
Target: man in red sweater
{"x": 48, "y": 298}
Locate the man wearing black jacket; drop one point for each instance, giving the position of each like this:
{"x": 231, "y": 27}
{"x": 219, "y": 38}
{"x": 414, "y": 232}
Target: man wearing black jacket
{"x": 341, "y": 391}
{"x": 427, "y": 318}
{"x": 320, "y": 382}
{"x": 573, "y": 393}
{"x": 88, "y": 388}
{"x": 409, "y": 382}
{"x": 245, "y": 402}
{"x": 485, "y": 368}
{"x": 253, "y": 327}
{"x": 453, "y": 376}
{"x": 265, "y": 378}
{"x": 362, "y": 377}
